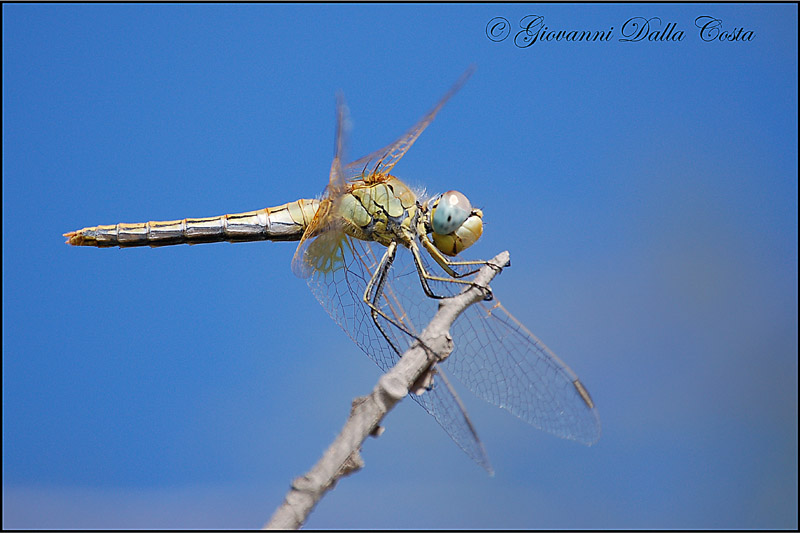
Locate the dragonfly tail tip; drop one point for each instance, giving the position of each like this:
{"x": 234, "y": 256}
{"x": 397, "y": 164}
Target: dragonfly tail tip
{"x": 74, "y": 238}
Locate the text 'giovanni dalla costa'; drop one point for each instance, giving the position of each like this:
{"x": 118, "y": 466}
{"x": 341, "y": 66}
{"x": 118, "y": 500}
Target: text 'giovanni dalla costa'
{"x": 532, "y": 29}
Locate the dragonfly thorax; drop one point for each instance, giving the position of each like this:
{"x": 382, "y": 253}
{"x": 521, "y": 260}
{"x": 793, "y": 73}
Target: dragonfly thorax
{"x": 384, "y": 211}
{"x": 454, "y": 224}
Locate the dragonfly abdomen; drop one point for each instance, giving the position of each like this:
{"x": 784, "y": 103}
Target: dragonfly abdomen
{"x": 286, "y": 222}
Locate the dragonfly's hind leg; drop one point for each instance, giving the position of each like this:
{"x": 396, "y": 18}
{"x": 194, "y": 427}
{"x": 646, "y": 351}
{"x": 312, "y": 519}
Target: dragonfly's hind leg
{"x": 374, "y": 292}
{"x": 372, "y": 297}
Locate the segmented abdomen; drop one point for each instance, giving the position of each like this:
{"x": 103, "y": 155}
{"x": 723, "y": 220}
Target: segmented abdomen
{"x": 286, "y": 222}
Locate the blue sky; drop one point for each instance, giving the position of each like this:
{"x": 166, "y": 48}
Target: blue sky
{"x": 647, "y": 192}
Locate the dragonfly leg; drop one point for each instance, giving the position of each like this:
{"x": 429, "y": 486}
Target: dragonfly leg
{"x": 425, "y": 276}
{"x": 375, "y": 291}
{"x": 445, "y": 263}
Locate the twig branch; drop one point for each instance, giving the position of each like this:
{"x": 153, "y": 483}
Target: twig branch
{"x": 342, "y": 457}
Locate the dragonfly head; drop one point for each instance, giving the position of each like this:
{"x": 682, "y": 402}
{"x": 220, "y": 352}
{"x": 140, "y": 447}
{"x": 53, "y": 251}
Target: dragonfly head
{"x": 455, "y": 224}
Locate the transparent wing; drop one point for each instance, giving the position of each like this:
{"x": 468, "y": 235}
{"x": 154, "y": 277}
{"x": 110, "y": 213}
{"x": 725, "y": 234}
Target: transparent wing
{"x": 321, "y": 238}
{"x": 440, "y": 403}
{"x": 381, "y": 161}
{"x": 505, "y": 364}
{"x": 339, "y": 284}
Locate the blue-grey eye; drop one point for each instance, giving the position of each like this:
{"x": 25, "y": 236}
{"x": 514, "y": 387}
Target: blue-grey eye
{"x": 450, "y": 211}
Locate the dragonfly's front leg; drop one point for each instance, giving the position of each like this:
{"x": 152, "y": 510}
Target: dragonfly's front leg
{"x": 425, "y": 276}
{"x": 448, "y": 264}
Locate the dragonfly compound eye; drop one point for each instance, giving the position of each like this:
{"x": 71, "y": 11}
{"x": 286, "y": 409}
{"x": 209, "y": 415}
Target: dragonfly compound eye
{"x": 449, "y": 212}
{"x": 456, "y": 225}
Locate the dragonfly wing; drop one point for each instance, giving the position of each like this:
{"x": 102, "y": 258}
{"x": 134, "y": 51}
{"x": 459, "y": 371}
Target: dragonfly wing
{"x": 339, "y": 284}
{"x": 321, "y": 239}
{"x": 340, "y": 289}
{"x": 336, "y": 182}
{"x": 506, "y": 365}
{"x": 381, "y": 161}
{"x": 443, "y": 406}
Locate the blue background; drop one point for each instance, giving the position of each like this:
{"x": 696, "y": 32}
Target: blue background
{"x": 647, "y": 193}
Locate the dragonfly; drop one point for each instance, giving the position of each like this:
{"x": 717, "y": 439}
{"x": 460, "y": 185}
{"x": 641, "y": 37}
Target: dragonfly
{"x": 379, "y": 256}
